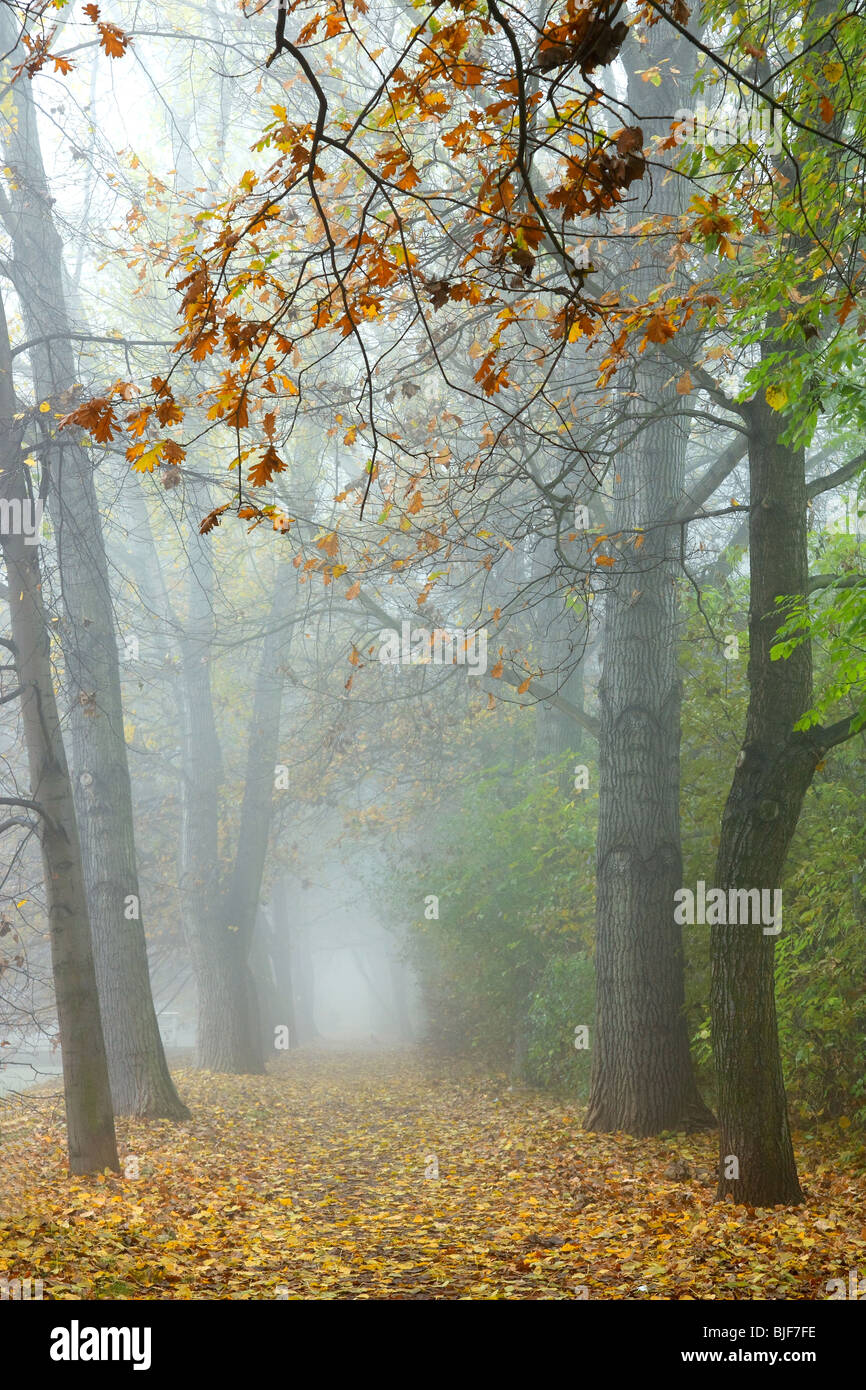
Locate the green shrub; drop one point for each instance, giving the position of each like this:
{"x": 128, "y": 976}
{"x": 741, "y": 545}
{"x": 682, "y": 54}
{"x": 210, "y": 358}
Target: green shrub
{"x": 563, "y": 999}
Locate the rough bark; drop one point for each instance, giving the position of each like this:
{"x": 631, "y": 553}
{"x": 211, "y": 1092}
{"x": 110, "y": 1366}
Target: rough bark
{"x": 140, "y": 1080}
{"x": 773, "y": 773}
{"x": 89, "y": 1118}
{"x": 643, "y": 1080}
{"x": 774, "y": 770}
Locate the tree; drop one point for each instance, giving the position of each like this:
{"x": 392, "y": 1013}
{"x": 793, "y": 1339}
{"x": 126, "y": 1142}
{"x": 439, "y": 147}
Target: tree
{"x": 89, "y": 1116}
{"x": 525, "y": 197}
{"x": 643, "y": 1080}
{"x": 140, "y": 1079}
{"x": 793, "y": 201}
{"x": 490, "y": 239}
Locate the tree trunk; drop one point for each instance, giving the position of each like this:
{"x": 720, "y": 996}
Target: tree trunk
{"x": 270, "y": 966}
{"x": 89, "y": 1118}
{"x": 773, "y": 773}
{"x": 140, "y": 1080}
{"x": 642, "y": 1078}
{"x": 219, "y": 917}
{"x": 241, "y": 899}
{"x": 225, "y": 1039}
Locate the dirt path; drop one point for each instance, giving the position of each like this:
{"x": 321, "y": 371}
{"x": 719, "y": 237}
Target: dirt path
{"x": 310, "y": 1182}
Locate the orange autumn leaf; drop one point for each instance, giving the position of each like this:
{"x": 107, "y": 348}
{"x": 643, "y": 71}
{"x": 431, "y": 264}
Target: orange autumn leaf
{"x": 212, "y": 519}
{"x": 659, "y": 329}
{"x": 173, "y": 452}
{"x": 113, "y": 40}
{"x": 329, "y": 544}
{"x": 263, "y": 470}
{"x": 96, "y": 416}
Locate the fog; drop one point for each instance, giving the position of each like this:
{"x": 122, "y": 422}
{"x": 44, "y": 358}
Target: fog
{"x": 431, "y": 663}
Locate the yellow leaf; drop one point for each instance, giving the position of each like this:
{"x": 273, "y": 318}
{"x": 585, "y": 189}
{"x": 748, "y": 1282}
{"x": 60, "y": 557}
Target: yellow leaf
{"x": 150, "y": 459}
{"x": 777, "y": 397}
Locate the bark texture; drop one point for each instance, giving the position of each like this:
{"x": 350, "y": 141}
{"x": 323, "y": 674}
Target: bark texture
{"x": 140, "y": 1080}
{"x": 643, "y": 1080}
{"x": 89, "y": 1116}
{"x": 773, "y": 773}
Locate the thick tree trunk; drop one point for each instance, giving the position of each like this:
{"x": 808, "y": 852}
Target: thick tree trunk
{"x": 89, "y": 1117}
{"x": 642, "y": 1080}
{"x": 140, "y": 1080}
{"x": 774, "y": 770}
{"x": 773, "y": 773}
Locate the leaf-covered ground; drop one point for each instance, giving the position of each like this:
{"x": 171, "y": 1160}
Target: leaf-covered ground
{"x": 310, "y": 1182}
